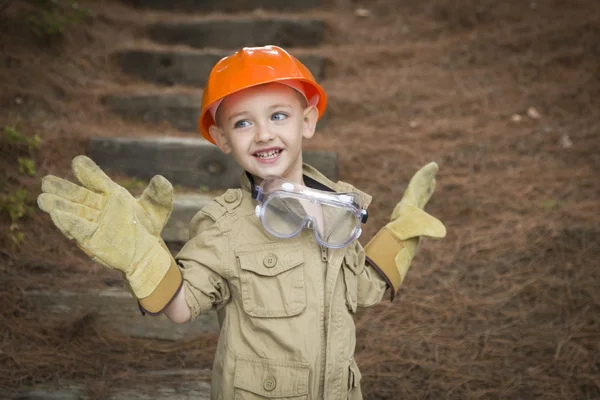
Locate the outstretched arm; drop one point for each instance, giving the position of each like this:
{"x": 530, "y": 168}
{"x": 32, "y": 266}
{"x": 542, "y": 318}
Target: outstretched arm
{"x": 117, "y": 230}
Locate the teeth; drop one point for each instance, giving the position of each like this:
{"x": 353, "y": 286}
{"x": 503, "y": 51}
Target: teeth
{"x": 268, "y": 154}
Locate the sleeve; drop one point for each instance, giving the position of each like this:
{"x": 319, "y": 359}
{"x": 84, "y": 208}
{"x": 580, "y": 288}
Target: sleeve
{"x": 201, "y": 263}
{"x": 370, "y": 285}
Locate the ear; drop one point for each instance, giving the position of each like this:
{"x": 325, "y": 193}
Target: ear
{"x": 220, "y": 139}
{"x": 309, "y": 123}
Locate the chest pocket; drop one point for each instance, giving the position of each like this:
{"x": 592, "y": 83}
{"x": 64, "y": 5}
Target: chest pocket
{"x": 351, "y": 269}
{"x": 272, "y": 280}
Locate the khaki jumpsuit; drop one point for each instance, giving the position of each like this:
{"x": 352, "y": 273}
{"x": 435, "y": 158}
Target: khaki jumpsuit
{"x": 285, "y": 306}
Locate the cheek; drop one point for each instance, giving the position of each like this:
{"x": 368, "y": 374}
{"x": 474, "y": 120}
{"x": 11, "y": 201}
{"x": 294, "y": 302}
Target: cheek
{"x": 240, "y": 140}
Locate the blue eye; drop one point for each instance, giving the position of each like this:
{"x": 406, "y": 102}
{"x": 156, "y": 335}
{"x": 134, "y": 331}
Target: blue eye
{"x": 241, "y": 124}
{"x": 278, "y": 116}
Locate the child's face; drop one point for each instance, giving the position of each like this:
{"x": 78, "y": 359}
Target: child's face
{"x": 263, "y": 128}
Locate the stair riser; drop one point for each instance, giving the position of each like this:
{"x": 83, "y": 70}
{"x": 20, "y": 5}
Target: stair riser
{"x": 237, "y": 34}
{"x": 176, "y": 68}
{"x": 197, "y": 390}
{"x": 176, "y": 231}
{"x": 225, "y": 5}
{"x": 193, "y": 163}
{"x": 179, "y": 110}
{"x": 118, "y": 310}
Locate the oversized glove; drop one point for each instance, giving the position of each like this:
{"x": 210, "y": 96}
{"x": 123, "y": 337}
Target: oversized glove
{"x": 392, "y": 249}
{"x": 117, "y": 230}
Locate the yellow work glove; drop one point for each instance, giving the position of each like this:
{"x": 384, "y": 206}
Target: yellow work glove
{"x": 117, "y": 230}
{"x": 394, "y": 246}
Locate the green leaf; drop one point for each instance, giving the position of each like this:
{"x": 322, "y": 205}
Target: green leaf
{"x": 26, "y": 166}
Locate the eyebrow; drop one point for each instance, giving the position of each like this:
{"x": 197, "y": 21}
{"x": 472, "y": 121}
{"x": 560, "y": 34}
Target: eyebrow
{"x": 278, "y": 105}
{"x": 281, "y": 105}
{"x": 236, "y": 115}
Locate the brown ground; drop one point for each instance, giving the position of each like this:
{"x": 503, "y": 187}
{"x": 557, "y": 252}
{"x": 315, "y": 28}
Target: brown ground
{"x": 507, "y": 306}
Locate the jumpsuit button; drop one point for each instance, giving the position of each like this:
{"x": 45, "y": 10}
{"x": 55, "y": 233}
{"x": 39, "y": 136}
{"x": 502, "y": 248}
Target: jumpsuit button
{"x": 270, "y": 384}
{"x": 270, "y": 260}
{"x": 231, "y": 197}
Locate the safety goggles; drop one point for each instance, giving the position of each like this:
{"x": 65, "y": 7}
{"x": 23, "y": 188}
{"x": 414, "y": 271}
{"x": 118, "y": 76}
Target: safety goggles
{"x": 286, "y": 208}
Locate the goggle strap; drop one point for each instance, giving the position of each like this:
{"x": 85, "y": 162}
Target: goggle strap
{"x": 364, "y": 216}
{"x": 255, "y": 192}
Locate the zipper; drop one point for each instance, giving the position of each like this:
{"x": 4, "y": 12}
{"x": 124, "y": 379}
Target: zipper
{"x": 324, "y": 328}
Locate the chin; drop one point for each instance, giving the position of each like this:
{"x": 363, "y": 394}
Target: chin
{"x": 263, "y": 172}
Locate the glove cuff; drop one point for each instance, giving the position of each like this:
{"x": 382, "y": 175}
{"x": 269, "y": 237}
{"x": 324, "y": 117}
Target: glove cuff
{"x": 381, "y": 252}
{"x": 164, "y": 293}
{"x": 156, "y": 278}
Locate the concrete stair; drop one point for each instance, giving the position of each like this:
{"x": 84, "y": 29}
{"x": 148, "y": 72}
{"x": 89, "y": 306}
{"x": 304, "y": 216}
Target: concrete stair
{"x": 214, "y": 39}
{"x": 225, "y": 5}
{"x": 176, "y": 231}
{"x": 197, "y": 390}
{"x": 189, "y": 68}
{"x": 193, "y": 163}
{"x": 235, "y": 33}
{"x": 181, "y": 110}
{"x": 188, "y": 162}
{"x": 117, "y": 309}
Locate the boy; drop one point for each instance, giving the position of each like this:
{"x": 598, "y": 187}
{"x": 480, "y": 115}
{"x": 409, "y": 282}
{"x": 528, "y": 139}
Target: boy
{"x": 284, "y": 295}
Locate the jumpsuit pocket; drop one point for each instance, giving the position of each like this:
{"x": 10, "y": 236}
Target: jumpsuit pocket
{"x": 272, "y": 280}
{"x": 351, "y": 271}
{"x": 354, "y": 377}
{"x": 260, "y": 378}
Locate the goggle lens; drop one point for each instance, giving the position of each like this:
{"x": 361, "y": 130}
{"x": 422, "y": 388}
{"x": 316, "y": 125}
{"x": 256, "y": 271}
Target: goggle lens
{"x": 285, "y": 216}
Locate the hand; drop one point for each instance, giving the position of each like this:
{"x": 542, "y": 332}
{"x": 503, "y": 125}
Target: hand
{"x": 110, "y": 225}
{"x": 395, "y": 245}
{"x": 408, "y": 219}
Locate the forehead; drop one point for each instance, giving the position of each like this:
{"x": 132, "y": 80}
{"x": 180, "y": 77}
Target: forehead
{"x": 267, "y": 93}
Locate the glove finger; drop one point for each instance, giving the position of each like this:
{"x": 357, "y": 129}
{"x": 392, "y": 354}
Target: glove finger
{"x": 72, "y": 192}
{"x": 414, "y": 222}
{"x": 50, "y": 202}
{"x": 421, "y": 186}
{"x": 157, "y": 201}
{"x": 91, "y": 176}
{"x": 73, "y": 226}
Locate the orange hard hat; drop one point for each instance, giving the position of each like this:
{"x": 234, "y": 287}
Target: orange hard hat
{"x": 252, "y": 66}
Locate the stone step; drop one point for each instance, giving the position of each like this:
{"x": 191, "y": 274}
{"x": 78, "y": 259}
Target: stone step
{"x": 233, "y": 34}
{"x": 196, "y": 390}
{"x": 188, "y": 162}
{"x": 181, "y": 110}
{"x": 176, "y": 231}
{"x": 188, "y": 68}
{"x": 117, "y": 309}
{"x": 225, "y": 5}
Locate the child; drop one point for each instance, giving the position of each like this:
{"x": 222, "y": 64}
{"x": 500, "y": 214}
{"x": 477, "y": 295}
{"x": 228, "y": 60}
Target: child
{"x": 284, "y": 295}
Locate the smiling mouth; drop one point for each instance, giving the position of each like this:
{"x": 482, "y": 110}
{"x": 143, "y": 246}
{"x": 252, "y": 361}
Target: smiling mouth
{"x": 267, "y": 154}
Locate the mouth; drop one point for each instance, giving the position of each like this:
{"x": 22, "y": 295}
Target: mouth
{"x": 268, "y": 154}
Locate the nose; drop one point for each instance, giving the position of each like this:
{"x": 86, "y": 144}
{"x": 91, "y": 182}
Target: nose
{"x": 263, "y": 133}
